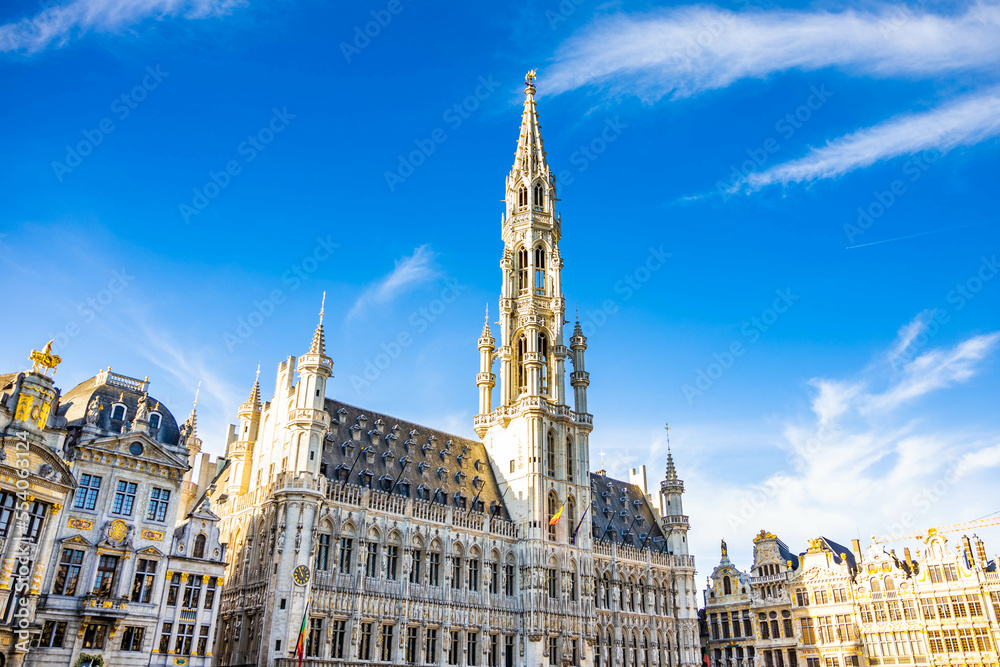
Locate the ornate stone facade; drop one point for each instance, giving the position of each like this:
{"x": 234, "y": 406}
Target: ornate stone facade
{"x": 397, "y": 543}
{"x": 836, "y": 607}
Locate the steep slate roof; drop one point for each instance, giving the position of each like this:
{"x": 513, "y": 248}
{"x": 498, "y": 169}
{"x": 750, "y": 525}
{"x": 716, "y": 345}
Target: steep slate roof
{"x": 614, "y": 509}
{"x": 787, "y": 555}
{"x": 839, "y": 549}
{"x": 462, "y": 468}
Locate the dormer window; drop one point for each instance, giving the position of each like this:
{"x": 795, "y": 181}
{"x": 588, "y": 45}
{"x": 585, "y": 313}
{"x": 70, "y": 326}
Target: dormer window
{"x": 154, "y": 420}
{"x": 118, "y": 411}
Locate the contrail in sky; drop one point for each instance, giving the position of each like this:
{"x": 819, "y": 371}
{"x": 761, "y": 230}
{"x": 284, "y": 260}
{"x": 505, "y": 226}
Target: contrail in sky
{"x": 910, "y": 236}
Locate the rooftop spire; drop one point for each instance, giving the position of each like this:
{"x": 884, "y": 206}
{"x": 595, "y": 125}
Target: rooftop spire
{"x": 530, "y": 157}
{"x": 671, "y": 470}
{"x": 319, "y": 340}
{"x": 255, "y": 392}
{"x": 486, "y": 324}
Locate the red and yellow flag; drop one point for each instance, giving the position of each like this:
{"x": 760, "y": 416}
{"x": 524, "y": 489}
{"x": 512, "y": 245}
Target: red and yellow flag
{"x": 558, "y": 515}
{"x": 300, "y": 646}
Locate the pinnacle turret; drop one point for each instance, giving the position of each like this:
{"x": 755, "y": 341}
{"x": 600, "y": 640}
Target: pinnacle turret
{"x": 254, "y": 398}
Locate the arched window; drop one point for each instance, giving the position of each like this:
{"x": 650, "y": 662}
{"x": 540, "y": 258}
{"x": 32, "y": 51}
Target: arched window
{"x": 522, "y": 196}
{"x": 599, "y": 649}
{"x": 553, "y": 508}
{"x": 631, "y": 594}
{"x": 522, "y": 270}
{"x": 645, "y": 649}
{"x": 199, "y": 546}
{"x": 540, "y": 270}
{"x": 874, "y": 584}
{"x": 118, "y": 411}
{"x": 522, "y": 375}
{"x": 571, "y": 518}
{"x": 538, "y": 199}
{"x": 550, "y": 454}
{"x": 727, "y": 587}
{"x": 543, "y": 353}
{"x": 889, "y": 583}
{"x": 635, "y": 650}
{"x": 569, "y": 459}
{"x": 607, "y": 591}
{"x": 642, "y": 595}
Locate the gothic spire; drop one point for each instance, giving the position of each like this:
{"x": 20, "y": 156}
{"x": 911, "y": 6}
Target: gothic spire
{"x": 255, "y": 392}
{"x": 671, "y": 470}
{"x": 530, "y": 156}
{"x": 319, "y": 340}
{"x": 486, "y": 324}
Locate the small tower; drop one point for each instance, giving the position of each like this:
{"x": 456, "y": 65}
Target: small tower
{"x": 308, "y": 419}
{"x": 580, "y": 378}
{"x": 674, "y": 522}
{"x": 485, "y": 380}
{"x": 241, "y": 451}
{"x": 190, "y": 440}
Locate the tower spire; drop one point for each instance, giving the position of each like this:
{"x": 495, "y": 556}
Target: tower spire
{"x": 671, "y": 470}
{"x": 319, "y": 339}
{"x": 255, "y": 391}
{"x": 530, "y": 156}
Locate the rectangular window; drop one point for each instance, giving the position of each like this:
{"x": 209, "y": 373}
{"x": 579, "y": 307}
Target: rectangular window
{"x": 430, "y": 646}
{"x": 53, "y": 634}
{"x": 33, "y": 528}
{"x": 802, "y": 598}
{"x": 145, "y": 576}
{"x": 213, "y": 584}
{"x": 494, "y": 575}
{"x": 68, "y": 573}
{"x": 192, "y": 592}
{"x": 508, "y": 580}
{"x": 789, "y": 632}
{"x": 124, "y": 498}
{"x": 411, "y": 644}
{"x": 387, "y": 642}
{"x": 417, "y": 556}
{"x": 339, "y": 632}
{"x": 175, "y": 584}
{"x": 764, "y": 632}
{"x": 203, "y": 640}
{"x": 434, "y": 569}
{"x": 94, "y": 635}
{"x": 365, "y": 646}
{"x": 508, "y": 651}
{"x": 159, "y": 503}
{"x": 165, "y": 637}
{"x": 346, "y": 551}
{"x": 185, "y": 637}
{"x": 322, "y": 562}
{"x": 132, "y": 639}
{"x": 808, "y": 632}
{"x": 454, "y": 648}
{"x": 314, "y": 638}
{"x": 472, "y": 644}
{"x": 7, "y": 502}
{"x": 391, "y": 562}
{"x": 553, "y": 585}
{"x": 820, "y": 596}
{"x": 456, "y": 572}
{"x": 494, "y": 654}
{"x": 553, "y": 650}
{"x": 104, "y": 583}
{"x": 473, "y": 575}
{"x": 371, "y": 560}
{"x": 86, "y": 492}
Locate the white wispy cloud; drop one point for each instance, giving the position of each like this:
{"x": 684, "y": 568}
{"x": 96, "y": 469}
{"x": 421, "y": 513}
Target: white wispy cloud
{"x": 409, "y": 273}
{"x": 964, "y": 122}
{"x": 58, "y": 24}
{"x": 869, "y": 454}
{"x": 684, "y": 51}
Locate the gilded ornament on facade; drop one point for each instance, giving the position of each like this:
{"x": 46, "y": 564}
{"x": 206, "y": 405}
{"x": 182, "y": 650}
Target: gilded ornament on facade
{"x": 44, "y": 361}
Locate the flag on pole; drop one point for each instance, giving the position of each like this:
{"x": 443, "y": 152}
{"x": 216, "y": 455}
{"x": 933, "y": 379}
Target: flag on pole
{"x": 300, "y": 646}
{"x": 572, "y": 538}
{"x": 558, "y": 515}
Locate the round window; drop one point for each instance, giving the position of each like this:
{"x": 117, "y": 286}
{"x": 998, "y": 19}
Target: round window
{"x": 135, "y": 449}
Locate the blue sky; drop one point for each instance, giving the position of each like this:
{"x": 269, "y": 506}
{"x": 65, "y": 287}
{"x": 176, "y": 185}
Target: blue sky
{"x": 183, "y": 179}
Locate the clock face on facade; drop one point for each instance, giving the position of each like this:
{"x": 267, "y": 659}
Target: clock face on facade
{"x": 135, "y": 449}
{"x": 301, "y": 575}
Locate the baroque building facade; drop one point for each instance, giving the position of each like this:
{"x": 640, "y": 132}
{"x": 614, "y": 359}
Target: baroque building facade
{"x": 108, "y": 537}
{"x": 388, "y": 541}
{"x": 836, "y": 607}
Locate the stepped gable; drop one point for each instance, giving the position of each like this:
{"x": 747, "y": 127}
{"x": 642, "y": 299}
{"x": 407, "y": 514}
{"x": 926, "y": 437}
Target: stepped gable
{"x": 440, "y": 469}
{"x": 612, "y": 497}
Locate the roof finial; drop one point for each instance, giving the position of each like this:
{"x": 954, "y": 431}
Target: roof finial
{"x": 257, "y": 376}
{"x": 529, "y": 78}
{"x": 319, "y": 340}
{"x": 196, "y": 392}
{"x": 322, "y": 307}
{"x": 671, "y": 470}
